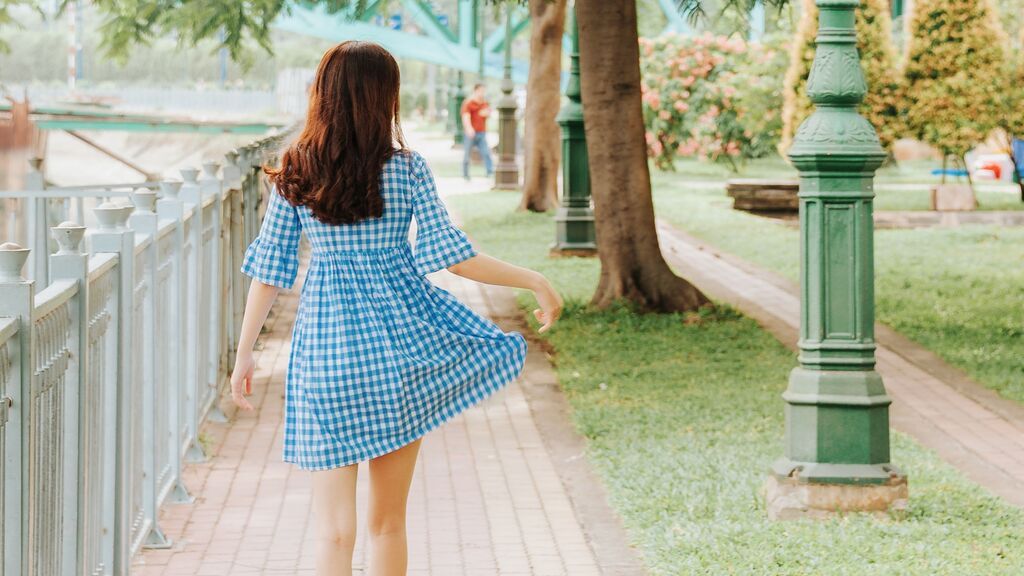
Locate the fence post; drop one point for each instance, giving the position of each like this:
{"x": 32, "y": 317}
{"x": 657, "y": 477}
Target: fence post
{"x": 113, "y": 236}
{"x": 17, "y": 300}
{"x": 70, "y": 263}
{"x": 210, "y": 185}
{"x": 190, "y": 194}
{"x": 145, "y": 221}
{"x": 251, "y": 194}
{"x": 38, "y": 228}
{"x": 171, "y": 207}
{"x": 233, "y": 182}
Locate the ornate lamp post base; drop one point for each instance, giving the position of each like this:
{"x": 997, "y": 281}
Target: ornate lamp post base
{"x": 837, "y": 410}
{"x": 506, "y": 177}
{"x": 574, "y": 232}
{"x": 574, "y": 219}
{"x": 458, "y": 97}
{"x": 506, "y": 173}
{"x": 828, "y": 472}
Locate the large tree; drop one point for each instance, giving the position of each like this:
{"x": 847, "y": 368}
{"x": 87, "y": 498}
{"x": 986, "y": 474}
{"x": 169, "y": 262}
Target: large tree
{"x": 632, "y": 266}
{"x": 542, "y": 139}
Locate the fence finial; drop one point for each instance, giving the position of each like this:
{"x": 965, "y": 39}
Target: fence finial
{"x": 170, "y": 188}
{"x": 36, "y": 163}
{"x": 107, "y": 213}
{"x": 210, "y": 168}
{"x": 12, "y": 259}
{"x": 189, "y": 175}
{"x": 144, "y": 200}
{"x": 122, "y": 216}
{"x": 232, "y": 157}
{"x": 69, "y": 237}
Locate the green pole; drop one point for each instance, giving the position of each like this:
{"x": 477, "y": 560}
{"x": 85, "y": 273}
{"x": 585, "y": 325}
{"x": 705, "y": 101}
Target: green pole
{"x": 506, "y": 173}
{"x": 479, "y": 39}
{"x": 837, "y": 409}
{"x": 458, "y": 97}
{"x": 451, "y": 125}
{"x": 574, "y": 219}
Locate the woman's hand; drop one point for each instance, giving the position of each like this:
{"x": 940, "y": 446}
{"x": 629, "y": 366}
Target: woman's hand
{"x": 241, "y": 379}
{"x": 490, "y": 270}
{"x": 550, "y": 306}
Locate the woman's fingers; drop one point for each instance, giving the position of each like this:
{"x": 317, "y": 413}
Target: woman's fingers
{"x": 544, "y": 318}
{"x": 241, "y": 384}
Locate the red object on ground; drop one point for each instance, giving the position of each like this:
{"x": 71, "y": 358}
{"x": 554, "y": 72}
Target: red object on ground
{"x": 996, "y": 169}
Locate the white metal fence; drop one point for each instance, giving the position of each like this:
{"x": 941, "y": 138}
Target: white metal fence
{"x": 113, "y": 356}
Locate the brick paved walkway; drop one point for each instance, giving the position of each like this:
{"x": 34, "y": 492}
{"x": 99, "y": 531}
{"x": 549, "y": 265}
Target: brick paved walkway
{"x": 967, "y": 425}
{"x": 491, "y": 494}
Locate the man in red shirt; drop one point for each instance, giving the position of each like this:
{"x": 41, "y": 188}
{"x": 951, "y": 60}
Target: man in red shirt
{"x": 475, "y": 111}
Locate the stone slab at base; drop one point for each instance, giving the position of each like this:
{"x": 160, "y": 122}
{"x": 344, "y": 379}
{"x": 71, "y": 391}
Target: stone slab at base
{"x": 506, "y": 178}
{"x": 556, "y": 252}
{"x": 953, "y": 197}
{"x": 791, "y": 498}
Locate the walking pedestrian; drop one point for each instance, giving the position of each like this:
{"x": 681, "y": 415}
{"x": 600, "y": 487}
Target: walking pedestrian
{"x": 475, "y": 111}
{"x": 379, "y": 355}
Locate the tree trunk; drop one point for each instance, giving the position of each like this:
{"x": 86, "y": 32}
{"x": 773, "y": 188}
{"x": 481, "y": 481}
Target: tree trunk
{"x": 542, "y": 141}
{"x": 632, "y": 267}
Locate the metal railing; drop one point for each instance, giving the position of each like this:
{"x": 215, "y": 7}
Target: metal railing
{"x": 113, "y": 356}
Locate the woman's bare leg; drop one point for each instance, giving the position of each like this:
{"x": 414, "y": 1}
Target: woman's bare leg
{"x": 334, "y": 511}
{"x": 390, "y": 478}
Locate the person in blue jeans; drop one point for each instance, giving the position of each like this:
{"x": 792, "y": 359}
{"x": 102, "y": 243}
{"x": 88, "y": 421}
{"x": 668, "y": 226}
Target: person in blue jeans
{"x": 475, "y": 111}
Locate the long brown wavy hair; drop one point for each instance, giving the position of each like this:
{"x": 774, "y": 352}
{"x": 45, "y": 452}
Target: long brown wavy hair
{"x": 352, "y": 129}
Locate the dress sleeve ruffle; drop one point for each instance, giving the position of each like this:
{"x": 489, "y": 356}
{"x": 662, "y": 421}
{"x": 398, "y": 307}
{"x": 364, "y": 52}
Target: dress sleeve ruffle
{"x": 440, "y": 247}
{"x": 271, "y": 263}
{"x": 439, "y": 243}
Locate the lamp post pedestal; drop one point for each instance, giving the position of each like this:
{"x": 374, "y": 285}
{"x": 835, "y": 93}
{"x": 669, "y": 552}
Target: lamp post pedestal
{"x": 452, "y": 112}
{"x": 837, "y": 410}
{"x": 458, "y": 97}
{"x": 574, "y": 219}
{"x": 506, "y": 173}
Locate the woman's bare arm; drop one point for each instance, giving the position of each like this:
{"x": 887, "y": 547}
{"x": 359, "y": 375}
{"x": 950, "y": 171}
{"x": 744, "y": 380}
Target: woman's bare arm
{"x": 257, "y": 307}
{"x": 490, "y": 270}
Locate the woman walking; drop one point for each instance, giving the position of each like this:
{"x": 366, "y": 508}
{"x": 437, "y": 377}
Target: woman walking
{"x": 379, "y": 355}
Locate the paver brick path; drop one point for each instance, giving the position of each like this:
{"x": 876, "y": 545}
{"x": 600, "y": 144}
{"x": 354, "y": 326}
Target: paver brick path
{"x": 966, "y": 424}
{"x": 487, "y": 497}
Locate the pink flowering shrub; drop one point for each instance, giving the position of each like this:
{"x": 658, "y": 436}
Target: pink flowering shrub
{"x": 715, "y": 98}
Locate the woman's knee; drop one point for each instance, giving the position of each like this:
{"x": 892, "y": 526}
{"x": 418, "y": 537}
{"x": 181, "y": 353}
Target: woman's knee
{"x": 338, "y": 533}
{"x": 386, "y": 523}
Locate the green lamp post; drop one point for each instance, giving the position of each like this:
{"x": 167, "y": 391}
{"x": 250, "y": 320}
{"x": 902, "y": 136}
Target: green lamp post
{"x": 837, "y": 410}
{"x": 452, "y": 124}
{"x": 458, "y": 97}
{"x": 574, "y": 219}
{"x": 506, "y": 173}
{"x": 444, "y": 101}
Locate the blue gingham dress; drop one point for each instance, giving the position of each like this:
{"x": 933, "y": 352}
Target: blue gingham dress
{"x": 379, "y": 355}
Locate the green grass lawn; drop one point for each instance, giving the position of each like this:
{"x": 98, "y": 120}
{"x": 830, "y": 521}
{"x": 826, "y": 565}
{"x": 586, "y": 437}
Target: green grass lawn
{"x": 959, "y": 292}
{"x": 683, "y": 419}
{"x": 890, "y": 198}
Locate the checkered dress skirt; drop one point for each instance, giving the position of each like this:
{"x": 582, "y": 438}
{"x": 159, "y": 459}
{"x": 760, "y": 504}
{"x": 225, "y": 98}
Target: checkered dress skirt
{"x": 379, "y": 355}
